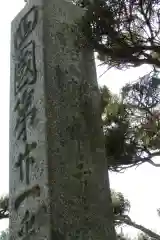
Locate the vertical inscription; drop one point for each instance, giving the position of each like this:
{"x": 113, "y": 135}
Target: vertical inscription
{"x": 25, "y": 73}
{"x": 25, "y": 77}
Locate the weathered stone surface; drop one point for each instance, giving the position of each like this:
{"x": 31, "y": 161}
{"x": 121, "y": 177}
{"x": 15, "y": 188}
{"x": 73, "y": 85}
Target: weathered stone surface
{"x": 57, "y": 161}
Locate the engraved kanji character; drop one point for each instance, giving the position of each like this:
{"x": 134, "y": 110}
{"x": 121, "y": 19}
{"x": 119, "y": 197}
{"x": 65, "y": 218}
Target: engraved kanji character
{"x": 24, "y": 161}
{"x": 27, "y": 225}
{"x": 26, "y": 26}
{"x": 25, "y": 110}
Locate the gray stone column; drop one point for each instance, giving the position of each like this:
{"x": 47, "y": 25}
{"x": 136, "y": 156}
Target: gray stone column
{"x": 58, "y": 189}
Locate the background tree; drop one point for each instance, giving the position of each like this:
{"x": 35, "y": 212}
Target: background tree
{"x": 131, "y": 123}
{"x": 124, "y": 33}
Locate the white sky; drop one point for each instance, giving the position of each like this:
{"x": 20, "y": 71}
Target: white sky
{"x": 138, "y": 185}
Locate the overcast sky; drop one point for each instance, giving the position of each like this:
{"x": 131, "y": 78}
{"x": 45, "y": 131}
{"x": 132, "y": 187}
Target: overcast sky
{"x": 139, "y": 185}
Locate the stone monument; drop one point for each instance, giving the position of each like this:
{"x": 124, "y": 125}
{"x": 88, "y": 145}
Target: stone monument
{"x": 58, "y": 185}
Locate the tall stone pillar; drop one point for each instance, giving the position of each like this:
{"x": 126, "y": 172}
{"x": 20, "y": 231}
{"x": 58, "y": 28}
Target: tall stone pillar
{"x": 58, "y": 189}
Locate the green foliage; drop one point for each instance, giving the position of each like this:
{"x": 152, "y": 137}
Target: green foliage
{"x": 4, "y": 213}
{"x": 122, "y": 236}
{"x": 121, "y": 206}
{"x": 4, "y": 235}
{"x": 143, "y": 236}
{"x": 124, "y": 33}
{"x": 143, "y": 100}
{"x": 140, "y": 236}
{"x": 131, "y": 123}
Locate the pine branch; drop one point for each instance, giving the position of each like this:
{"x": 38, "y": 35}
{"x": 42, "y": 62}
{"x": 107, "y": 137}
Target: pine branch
{"x": 129, "y": 222}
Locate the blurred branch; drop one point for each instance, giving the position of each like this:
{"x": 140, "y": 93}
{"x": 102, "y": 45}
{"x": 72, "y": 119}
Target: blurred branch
{"x": 127, "y": 220}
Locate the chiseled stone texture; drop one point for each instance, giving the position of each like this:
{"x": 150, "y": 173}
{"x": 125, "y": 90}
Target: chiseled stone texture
{"x": 61, "y": 190}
